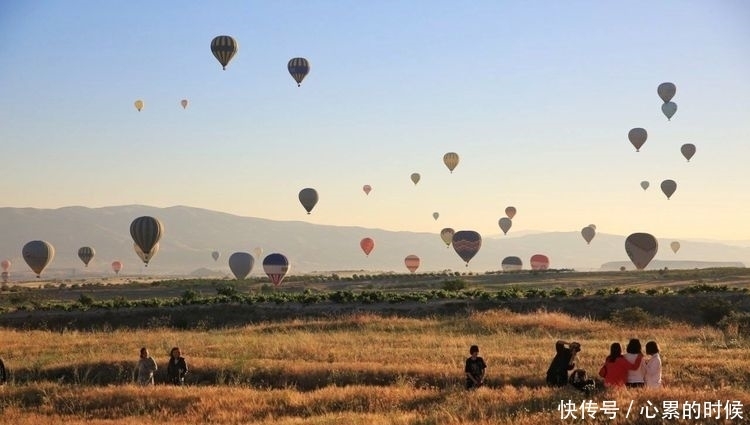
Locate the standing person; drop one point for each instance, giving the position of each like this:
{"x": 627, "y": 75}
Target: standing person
{"x": 146, "y": 368}
{"x": 615, "y": 368}
{"x": 474, "y": 369}
{"x": 564, "y": 360}
{"x": 637, "y": 377}
{"x": 177, "y": 367}
{"x": 653, "y": 366}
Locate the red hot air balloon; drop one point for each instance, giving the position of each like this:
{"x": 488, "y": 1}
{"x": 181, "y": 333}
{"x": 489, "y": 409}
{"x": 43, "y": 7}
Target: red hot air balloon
{"x": 367, "y": 244}
{"x": 367, "y": 188}
{"x": 276, "y": 267}
{"x": 539, "y": 262}
{"x": 412, "y": 262}
{"x": 5, "y": 264}
{"x": 116, "y": 266}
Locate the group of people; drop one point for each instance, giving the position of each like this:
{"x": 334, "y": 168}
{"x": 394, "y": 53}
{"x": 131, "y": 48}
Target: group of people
{"x": 631, "y": 369}
{"x": 176, "y": 369}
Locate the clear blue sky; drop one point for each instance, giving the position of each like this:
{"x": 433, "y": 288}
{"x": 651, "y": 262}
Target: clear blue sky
{"x": 536, "y": 97}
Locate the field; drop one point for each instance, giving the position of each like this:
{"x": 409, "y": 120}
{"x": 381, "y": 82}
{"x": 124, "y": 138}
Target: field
{"x": 314, "y": 358}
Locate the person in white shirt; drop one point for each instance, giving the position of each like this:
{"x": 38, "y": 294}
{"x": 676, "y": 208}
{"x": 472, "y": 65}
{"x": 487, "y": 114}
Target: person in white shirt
{"x": 653, "y": 366}
{"x": 636, "y": 378}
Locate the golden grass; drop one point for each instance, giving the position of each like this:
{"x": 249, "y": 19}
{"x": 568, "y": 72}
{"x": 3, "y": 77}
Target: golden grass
{"x": 359, "y": 369}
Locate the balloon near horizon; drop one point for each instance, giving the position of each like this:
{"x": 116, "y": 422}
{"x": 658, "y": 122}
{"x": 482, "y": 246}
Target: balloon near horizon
{"x": 276, "y": 267}
{"x": 146, "y": 232}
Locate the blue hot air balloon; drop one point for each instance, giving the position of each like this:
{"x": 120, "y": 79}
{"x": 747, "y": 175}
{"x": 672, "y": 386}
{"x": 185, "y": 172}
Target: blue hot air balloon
{"x": 276, "y": 267}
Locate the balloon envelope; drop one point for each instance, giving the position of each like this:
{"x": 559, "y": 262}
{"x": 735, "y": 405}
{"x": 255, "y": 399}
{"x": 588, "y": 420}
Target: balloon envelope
{"x": 641, "y": 248}
{"x": 367, "y": 188}
{"x": 146, "y": 232}
{"x": 450, "y": 160}
{"x": 138, "y": 105}
{"x": 143, "y": 256}
{"x": 241, "y": 264}
{"x": 505, "y": 223}
{"x": 511, "y": 264}
{"x": 298, "y": 68}
{"x": 412, "y": 262}
{"x": 184, "y": 103}
{"x": 215, "y": 255}
{"x": 38, "y": 254}
{"x": 466, "y": 243}
{"x": 669, "y": 109}
{"x": 257, "y": 252}
{"x": 688, "y": 150}
{"x": 668, "y": 187}
{"x": 367, "y": 244}
{"x": 308, "y": 197}
{"x": 675, "y": 246}
{"x": 644, "y": 185}
{"x": 588, "y": 233}
{"x": 539, "y": 262}
{"x": 86, "y": 253}
{"x": 435, "y": 215}
{"x": 447, "y": 236}
{"x": 666, "y": 91}
{"x": 415, "y": 177}
{"x": 5, "y": 264}
{"x": 224, "y": 48}
{"x": 276, "y": 267}
{"x": 510, "y": 212}
{"x": 637, "y": 137}
{"x": 116, "y": 266}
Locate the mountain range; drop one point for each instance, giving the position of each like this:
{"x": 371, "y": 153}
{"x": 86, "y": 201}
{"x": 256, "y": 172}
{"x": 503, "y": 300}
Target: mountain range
{"x": 192, "y": 234}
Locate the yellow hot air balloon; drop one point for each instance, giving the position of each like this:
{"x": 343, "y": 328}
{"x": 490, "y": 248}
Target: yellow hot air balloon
{"x": 451, "y": 160}
{"x": 138, "y": 105}
{"x": 224, "y": 48}
{"x": 447, "y": 236}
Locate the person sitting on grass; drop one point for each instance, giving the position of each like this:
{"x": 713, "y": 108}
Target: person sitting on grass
{"x": 564, "y": 360}
{"x": 616, "y": 367}
{"x": 474, "y": 369}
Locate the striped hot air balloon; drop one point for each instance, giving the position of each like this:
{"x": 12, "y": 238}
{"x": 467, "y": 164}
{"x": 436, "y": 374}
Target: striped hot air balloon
{"x": 412, "y": 262}
{"x": 276, "y": 267}
{"x": 146, "y": 232}
{"x": 511, "y": 264}
{"x": 298, "y": 68}
{"x": 224, "y": 48}
{"x": 86, "y": 253}
{"x": 539, "y": 262}
{"x": 466, "y": 243}
{"x": 450, "y": 160}
{"x": 447, "y": 236}
{"x": 38, "y": 254}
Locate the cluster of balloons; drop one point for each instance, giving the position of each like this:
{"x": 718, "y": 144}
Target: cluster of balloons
{"x": 139, "y": 104}
{"x": 666, "y": 92}
{"x": 275, "y": 265}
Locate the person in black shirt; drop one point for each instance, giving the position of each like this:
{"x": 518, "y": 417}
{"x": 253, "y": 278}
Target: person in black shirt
{"x": 565, "y": 360}
{"x": 474, "y": 369}
{"x": 177, "y": 367}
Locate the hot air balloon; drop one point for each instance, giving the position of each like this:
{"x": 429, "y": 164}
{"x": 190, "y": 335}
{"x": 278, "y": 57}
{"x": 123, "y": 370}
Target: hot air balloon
{"x": 298, "y": 68}
{"x": 688, "y": 150}
{"x": 644, "y": 185}
{"x": 435, "y": 215}
{"x": 466, "y": 243}
{"x": 510, "y": 212}
{"x": 450, "y": 160}
{"x": 86, "y": 253}
{"x": 241, "y": 263}
{"x": 138, "y": 105}
{"x": 637, "y": 137}
{"x": 308, "y": 197}
{"x": 447, "y": 236}
{"x": 276, "y": 267}
{"x": 675, "y": 246}
{"x": 367, "y": 188}
{"x": 215, "y": 255}
{"x": 5, "y": 276}
{"x": 412, "y": 262}
{"x": 666, "y": 91}
{"x": 257, "y": 252}
{"x": 143, "y": 256}
{"x": 539, "y": 262}
{"x": 669, "y": 109}
{"x": 224, "y": 47}
{"x": 668, "y": 187}
{"x": 641, "y": 248}
{"x": 367, "y": 244}
{"x": 5, "y": 264}
{"x": 505, "y": 224}
{"x": 415, "y": 177}
{"x": 116, "y": 267}
{"x": 146, "y": 232}
{"x": 588, "y": 233}
{"x": 184, "y": 103}
{"x": 593, "y": 226}
{"x": 38, "y": 254}
{"x": 511, "y": 264}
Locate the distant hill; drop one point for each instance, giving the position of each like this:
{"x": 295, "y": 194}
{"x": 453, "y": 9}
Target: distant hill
{"x": 191, "y": 234}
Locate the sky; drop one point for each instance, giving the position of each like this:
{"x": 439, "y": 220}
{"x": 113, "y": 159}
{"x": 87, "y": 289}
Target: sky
{"x": 536, "y": 97}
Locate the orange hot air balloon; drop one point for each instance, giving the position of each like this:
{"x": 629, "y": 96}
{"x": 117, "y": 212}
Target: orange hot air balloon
{"x": 367, "y": 244}
{"x": 539, "y": 262}
{"x": 510, "y": 212}
{"x": 412, "y": 262}
{"x": 367, "y": 188}
{"x": 138, "y": 105}
{"x": 5, "y": 264}
{"x": 117, "y": 266}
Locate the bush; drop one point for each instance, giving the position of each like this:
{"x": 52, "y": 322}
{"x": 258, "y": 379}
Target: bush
{"x": 455, "y": 284}
{"x": 226, "y": 290}
{"x": 631, "y": 316}
{"x": 85, "y": 300}
{"x": 713, "y": 311}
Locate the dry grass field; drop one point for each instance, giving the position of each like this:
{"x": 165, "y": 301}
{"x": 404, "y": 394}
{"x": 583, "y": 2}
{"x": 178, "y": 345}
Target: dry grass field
{"x": 365, "y": 369}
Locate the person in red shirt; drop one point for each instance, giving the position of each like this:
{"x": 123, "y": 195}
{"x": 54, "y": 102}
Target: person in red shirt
{"x": 616, "y": 367}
